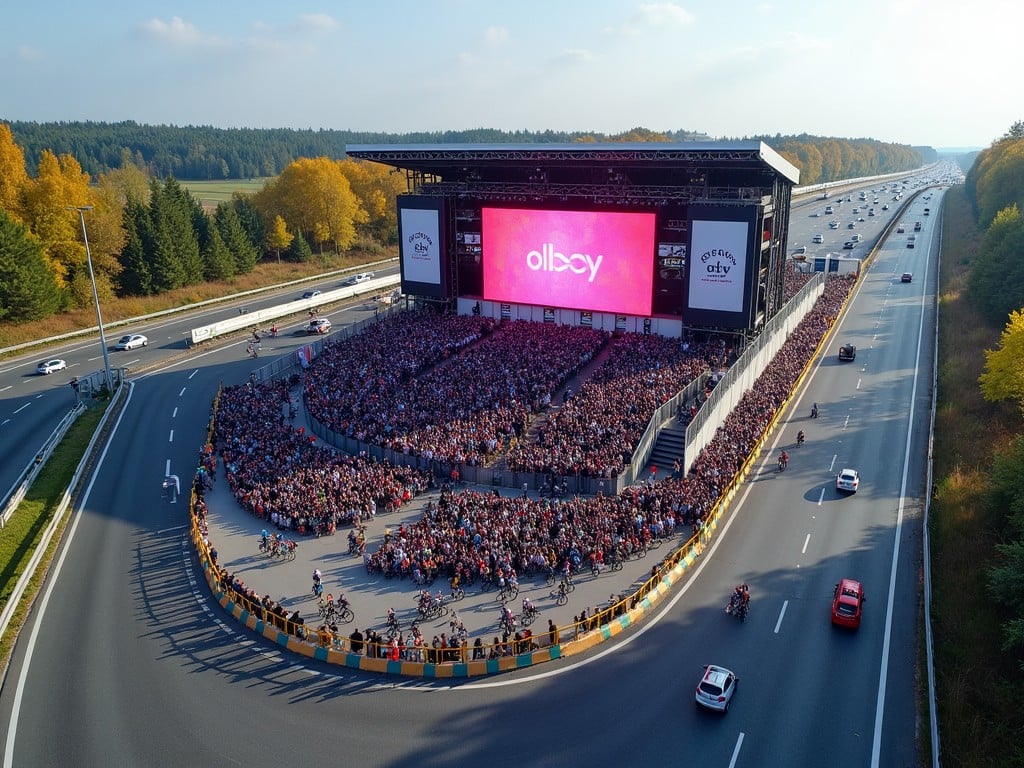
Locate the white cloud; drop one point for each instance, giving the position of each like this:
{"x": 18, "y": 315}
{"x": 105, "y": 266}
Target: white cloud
{"x": 573, "y": 56}
{"x": 495, "y": 36}
{"x": 656, "y": 16}
{"x": 664, "y": 14}
{"x": 177, "y": 31}
{"x": 317, "y": 21}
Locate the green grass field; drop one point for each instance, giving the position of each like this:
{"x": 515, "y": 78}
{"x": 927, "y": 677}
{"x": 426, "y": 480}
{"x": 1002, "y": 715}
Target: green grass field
{"x": 212, "y": 193}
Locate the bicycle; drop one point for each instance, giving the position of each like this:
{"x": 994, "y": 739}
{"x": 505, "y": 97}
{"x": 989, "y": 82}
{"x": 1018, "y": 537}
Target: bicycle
{"x": 566, "y": 585}
{"x": 344, "y": 614}
{"x": 457, "y": 594}
{"x": 487, "y": 583}
{"x": 562, "y": 595}
{"x": 529, "y": 615}
{"x": 508, "y": 592}
{"x": 549, "y": 576}
{"x": 507, "y": 623}
{"x": 615, "y": 564}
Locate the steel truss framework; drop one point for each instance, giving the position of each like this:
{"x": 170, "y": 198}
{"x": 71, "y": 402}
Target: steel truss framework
{"x": 638, "y": 176}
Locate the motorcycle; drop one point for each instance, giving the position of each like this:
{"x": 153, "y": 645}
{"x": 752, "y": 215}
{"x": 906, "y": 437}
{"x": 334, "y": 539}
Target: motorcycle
{"x": 738, "y": 606}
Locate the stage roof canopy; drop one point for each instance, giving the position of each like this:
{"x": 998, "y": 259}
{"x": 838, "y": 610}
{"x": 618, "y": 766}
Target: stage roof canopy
{"x": 472, "y": 162}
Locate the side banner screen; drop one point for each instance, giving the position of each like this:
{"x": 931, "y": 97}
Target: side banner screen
{"x": 597, "y": 261}
{"x": 421, "y": 244}
{"x": 720, "y": 274}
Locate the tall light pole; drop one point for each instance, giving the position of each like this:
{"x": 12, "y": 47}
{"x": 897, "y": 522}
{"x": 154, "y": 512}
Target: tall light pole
{"x": 95, "y": 297}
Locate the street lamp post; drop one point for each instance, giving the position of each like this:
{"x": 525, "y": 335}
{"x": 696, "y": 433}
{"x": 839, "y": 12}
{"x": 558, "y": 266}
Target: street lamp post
{"x": 95, "y": 297}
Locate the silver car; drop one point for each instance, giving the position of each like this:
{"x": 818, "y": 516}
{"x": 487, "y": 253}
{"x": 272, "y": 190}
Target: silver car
{"x": 131, "y": 341}
{"x": 716, "y": 688}
{"x": 47, "y": 367}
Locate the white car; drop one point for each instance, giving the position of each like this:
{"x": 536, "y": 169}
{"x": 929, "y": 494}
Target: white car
{"x": 362, "y": 277}
{"x": 320, "y": 325}
{"x": 310, "y": 294}
{"x": 716, "y": 688}
{"x": 132, "y": 341}
{"x": 848, "y": 480}
{"x": 47, "y": 367}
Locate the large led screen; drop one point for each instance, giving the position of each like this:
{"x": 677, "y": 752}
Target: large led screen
{"x": 572, "y": 259}
{"x": 421, "y": 244}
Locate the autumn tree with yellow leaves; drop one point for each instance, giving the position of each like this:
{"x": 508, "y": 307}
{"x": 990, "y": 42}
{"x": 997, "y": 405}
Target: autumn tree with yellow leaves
{"x": 315, "y": 198}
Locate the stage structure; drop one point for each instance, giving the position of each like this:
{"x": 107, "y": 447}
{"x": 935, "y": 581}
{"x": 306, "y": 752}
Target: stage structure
{"x": 634, "y": 237}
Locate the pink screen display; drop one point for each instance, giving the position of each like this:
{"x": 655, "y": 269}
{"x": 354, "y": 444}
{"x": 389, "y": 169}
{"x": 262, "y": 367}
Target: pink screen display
{"x": 574, "y": 259}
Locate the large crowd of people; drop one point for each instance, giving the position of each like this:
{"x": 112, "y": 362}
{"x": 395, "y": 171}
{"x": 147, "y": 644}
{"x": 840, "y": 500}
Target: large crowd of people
{"x": 465, "y": 381}
{"x": 281, "y": 474}
{"x": 449, "y": 388}
{"x": 595, "y": 431}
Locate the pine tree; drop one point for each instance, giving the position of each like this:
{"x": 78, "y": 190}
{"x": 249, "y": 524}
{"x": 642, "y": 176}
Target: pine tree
{"x": 28, "y": 290}
{"x": 299, "y": 251}
{"x": 237, "y": 242}
{"x": 136, "y": 278}
{"x": 220, "y": 264}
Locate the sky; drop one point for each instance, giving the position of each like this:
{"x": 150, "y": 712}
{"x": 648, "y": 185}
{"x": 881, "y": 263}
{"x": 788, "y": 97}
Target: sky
{"x": 938, "y": 73}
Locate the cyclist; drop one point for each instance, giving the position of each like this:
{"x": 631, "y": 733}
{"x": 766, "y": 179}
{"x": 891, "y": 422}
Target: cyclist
{"x": 528, "y": 606}
{"x": 264, "y": 540}
{"x": 454, "y": 583}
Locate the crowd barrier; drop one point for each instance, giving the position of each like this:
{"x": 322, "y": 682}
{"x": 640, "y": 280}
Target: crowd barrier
{"x": 464, "y": 660}
{"x": 475, "y": 660}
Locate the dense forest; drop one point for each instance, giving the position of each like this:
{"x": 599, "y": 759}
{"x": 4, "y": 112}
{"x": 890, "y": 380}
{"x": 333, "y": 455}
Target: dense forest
{"x": 149, "y": 235}
{"x": 995, "y": 287}
{"x": 204, "y": 153}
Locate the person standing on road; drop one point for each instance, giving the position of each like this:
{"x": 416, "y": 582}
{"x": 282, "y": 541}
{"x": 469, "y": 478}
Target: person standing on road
{"x": 553, "y": 632}
{"x": 356, "y": 641}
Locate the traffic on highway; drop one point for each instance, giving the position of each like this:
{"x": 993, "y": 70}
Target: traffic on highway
{"x": 814, "y": 661}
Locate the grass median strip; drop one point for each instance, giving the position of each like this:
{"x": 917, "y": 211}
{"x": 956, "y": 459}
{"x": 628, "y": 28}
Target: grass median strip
{"x": 23, "y": 532}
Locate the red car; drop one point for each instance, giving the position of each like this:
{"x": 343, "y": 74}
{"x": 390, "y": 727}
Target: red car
{"x": 848, "y": 603}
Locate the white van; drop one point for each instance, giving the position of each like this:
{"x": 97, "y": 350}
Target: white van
{"x": 855, "y": 237}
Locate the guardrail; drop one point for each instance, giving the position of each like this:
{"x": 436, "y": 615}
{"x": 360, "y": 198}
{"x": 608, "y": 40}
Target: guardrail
{"x": 186, "y": 308}
{"x": 28, "y": 474}
{"x": 20, "y": 588}
{"x": 262, "y": 316}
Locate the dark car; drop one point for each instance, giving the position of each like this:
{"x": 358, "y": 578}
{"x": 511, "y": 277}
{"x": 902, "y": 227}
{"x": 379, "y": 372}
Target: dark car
{"x": 906, "y": 277}
{"x": 849, "y": 245}
{"x": 847, "y": 352}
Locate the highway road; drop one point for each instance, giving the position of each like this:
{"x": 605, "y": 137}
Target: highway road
{"x": 126, "y": 660}
{"x": 31, "y": 405}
